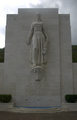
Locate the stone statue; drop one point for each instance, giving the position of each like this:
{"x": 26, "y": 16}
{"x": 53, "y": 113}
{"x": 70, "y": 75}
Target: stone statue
{"x": 39, "y": 41}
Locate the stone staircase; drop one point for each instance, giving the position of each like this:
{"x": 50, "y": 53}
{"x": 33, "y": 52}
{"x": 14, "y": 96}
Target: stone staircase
{"x": 37, "y": 110}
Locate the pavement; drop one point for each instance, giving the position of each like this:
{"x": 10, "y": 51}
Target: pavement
{"x": 38, "y": 116}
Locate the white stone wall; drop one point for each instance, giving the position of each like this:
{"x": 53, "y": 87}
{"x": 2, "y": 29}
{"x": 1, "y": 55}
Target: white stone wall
{"x": 65, "y": 56}
{"x": 18, "y": 79}
{"x": 75, "y": 77}
{"x": 1, "y": 77}
{"x": 58, "y": 78}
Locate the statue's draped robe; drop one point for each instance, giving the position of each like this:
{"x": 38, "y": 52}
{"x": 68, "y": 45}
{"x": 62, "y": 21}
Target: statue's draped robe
{"x": 38, "y": 39}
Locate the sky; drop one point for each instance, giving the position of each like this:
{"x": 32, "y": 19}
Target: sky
{"x": 65, "y": 7}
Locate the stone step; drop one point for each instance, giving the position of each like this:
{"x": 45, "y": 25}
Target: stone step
{"x": 31, "y": 110}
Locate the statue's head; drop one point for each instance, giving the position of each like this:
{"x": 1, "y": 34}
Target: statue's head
{"x": 38, "y": 16}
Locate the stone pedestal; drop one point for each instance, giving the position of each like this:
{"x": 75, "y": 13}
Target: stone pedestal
{"x": 38, "y": 72}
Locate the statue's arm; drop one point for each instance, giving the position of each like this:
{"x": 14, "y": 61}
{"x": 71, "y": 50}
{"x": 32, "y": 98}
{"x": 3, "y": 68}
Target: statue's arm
{"x": 45, "y": 34}
{"x": 30, "y": 34}
{"x": 46, "y": 40}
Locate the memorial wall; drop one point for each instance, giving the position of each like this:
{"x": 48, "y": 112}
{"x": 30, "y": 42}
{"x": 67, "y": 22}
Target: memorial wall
{"x": 38, "y": 69}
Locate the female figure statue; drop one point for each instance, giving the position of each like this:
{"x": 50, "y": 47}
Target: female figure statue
{"x": 39, "y": 40}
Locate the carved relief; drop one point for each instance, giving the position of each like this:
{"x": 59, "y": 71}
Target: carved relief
{"x": 39, "y": 41}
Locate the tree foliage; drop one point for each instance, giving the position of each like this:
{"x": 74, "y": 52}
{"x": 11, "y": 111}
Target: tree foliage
{"x": 74, "y": 54}
{"x": 2, "y": 55}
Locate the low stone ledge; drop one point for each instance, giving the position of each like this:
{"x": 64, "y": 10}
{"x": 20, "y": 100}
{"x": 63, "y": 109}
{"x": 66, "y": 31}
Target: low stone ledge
{"x": 6, "y": 106}
{"x": 70, "y": 106}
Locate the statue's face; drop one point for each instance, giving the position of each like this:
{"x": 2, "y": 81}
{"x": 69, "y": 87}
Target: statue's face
{"x": 38, "y": 17}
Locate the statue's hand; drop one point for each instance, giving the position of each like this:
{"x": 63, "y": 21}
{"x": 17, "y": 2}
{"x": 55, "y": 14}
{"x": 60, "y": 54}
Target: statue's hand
{"x": 44, "y": 52}
{"x": 27, "y": 41}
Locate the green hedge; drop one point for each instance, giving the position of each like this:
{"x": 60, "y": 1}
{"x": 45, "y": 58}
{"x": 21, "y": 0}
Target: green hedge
{"x": 71, "y": 98}
{"x": 5, "y": 98}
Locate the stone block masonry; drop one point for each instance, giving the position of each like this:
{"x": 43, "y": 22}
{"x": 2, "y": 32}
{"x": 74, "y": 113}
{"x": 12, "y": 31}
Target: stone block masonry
{"x": 57, "y": 80}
